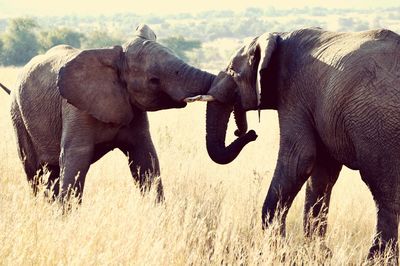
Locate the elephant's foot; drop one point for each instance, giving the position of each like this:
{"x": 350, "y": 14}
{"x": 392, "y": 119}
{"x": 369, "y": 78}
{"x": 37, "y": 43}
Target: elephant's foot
{"x": 385, "y": 253}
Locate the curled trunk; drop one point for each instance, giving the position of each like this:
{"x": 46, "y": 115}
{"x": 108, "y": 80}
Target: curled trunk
{"x": 240, "y": 119}
{"x": 217, "y": 123}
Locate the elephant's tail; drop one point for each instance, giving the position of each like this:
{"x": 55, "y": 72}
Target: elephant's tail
{"x": 5, "y": 89}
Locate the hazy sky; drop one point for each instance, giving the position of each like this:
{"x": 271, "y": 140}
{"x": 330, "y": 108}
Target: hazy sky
{"x": 96, "y": 7}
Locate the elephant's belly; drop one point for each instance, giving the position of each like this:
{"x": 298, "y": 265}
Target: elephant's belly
{"x": 345, "y": 155}
{"x": 366, "y": 145}
{"x": 340, "y": 146}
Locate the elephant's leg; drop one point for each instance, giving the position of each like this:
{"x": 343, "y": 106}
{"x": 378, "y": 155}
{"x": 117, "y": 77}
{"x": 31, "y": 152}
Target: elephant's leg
{"x": 295, "y": 162}
{"x": 318, "y": 194}
{"x": 144, "y": 166}
{"x": 386, "y": 230}
{"x": 74, "y": 163}
{"x": 76, "y": 155}
{"x": 385, "y": 192}
{"x": 26, "y": 151}
{"x": 77, "y": 150}
{"x": 53, "y": 183}
{"x": 100, "y": 150}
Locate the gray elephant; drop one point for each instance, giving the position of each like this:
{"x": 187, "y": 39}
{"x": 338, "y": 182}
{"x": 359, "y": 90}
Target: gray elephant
{"x": 73, "y": 106}
{"x": 338, "y": 101}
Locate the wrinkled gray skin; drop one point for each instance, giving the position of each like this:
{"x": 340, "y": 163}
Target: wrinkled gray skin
{"x": 338, "y": 101}
{"x": 71, "y": 107}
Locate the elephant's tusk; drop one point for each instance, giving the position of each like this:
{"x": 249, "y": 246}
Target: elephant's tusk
{"x": 202, "y": 98}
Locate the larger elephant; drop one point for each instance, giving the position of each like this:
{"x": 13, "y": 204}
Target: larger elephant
{"x": 73, "y": 106}
{"x": 338, "y": 102}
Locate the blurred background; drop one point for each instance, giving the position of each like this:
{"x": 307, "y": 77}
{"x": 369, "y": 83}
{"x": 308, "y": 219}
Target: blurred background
{"x": 204, "y": 33}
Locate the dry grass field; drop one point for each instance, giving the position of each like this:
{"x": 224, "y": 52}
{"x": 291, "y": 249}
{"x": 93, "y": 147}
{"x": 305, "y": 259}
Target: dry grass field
{"x": 211, "y": 216}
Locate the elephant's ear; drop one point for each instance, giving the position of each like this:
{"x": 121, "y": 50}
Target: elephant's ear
{"x": 267, "y": 43}
{"x": 145, "y": 32}
{"x": 90, "y": 82}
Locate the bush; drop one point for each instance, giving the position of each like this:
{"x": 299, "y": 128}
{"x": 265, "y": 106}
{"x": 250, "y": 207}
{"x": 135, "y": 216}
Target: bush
{"x": 55, "y": 37}
{"x": 180, "y": 46}
{"x": 99, "y": 39}
{"x": 19, "y": 42}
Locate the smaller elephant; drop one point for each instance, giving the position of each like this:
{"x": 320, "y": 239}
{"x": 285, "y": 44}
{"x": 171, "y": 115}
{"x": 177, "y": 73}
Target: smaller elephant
{"x": 73, "y": 106}
{"x": 338, "y": 99}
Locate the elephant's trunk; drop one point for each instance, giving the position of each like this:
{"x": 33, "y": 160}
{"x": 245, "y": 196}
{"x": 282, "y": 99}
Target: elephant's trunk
{"x": 197, "y": 82}
{"x": 240, "y": 119}
{"x": 217, "y": 123}
{"x": 188, "y": 81}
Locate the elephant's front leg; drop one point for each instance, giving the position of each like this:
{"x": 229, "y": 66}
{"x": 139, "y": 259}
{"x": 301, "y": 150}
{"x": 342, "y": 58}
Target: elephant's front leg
{"x": 318, "y": 194}
{"x": 295, "y": 163}
{"x": 144, "y": 166}
{"x": 77, "y": 148}
{"x": 74, "y": 163}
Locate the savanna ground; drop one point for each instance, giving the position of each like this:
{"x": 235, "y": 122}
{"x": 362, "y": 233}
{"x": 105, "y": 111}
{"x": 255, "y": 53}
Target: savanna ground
{"x": 212, "y": 213}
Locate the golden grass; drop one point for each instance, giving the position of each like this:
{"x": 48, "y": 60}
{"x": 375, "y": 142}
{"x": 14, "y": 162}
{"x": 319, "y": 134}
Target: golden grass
{"x": 211, "y": 214}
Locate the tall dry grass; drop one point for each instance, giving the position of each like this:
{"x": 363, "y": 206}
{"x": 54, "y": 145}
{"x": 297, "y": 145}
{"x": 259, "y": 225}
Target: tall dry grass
{"x": 211, "y": 214}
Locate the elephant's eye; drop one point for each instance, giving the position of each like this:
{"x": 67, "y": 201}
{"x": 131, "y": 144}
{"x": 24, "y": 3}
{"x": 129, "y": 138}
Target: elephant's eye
{"x": 154, "y": 81}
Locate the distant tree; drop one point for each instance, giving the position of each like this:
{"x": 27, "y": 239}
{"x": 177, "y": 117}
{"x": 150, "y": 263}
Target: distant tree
{"x": 19, "y": 41}
{"x": 225, "y": 14}
{"x": 1, "y": 52}
{"x": 346, "y": 23}
{"x": 3, "y": 24}
{"x": 248, "y": 27}
{"x": 99, "y": 39}
{"x": 319, "y": 11}
{"x": 253, "y": 12}
{"x": 361, "y": 26}
{"x": 181, "y": 46}
{"x": 271, "y": 12}
{"x": 154, "y": 20}
{"x": 55, "y": 37}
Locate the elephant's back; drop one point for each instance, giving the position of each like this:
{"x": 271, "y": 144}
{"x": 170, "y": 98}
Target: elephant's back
{"x": 39, "y": 100}
{"x": 38, "y": 79}
{"x": 359, "y": 105}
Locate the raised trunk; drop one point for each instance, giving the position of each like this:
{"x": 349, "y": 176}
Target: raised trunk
{"x": 217, "y": 123}
{"x": 189, "y": 81}
{"x": 197, "y": 82}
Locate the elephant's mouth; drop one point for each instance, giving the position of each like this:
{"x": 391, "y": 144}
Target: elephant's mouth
{"x": 161, "y": 102}
{"x": 167, "y": 102}
{"x": 180, "y": 104}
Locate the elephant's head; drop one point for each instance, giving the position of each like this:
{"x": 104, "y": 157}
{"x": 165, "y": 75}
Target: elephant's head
{"x": 237, "y": 89}
{"x": 143, "y": 74}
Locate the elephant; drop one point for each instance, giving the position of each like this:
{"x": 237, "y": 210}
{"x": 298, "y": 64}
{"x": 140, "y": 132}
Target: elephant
{"x": 72, "y": 106}
{"x": 337, "y": 96}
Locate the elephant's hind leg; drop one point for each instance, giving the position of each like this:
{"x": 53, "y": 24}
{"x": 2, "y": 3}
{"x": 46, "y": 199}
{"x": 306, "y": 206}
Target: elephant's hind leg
{"x": 26, "y": 151}
{"x": 53, "y": 183}
{"x": 144, "y": 166}
{"x": 318, "y": 193}
{"x": 384, "y": 188}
